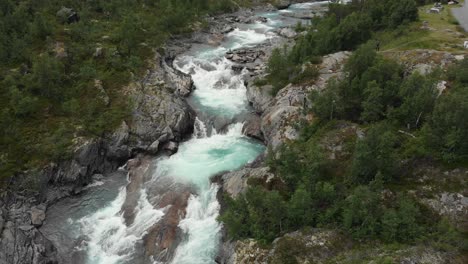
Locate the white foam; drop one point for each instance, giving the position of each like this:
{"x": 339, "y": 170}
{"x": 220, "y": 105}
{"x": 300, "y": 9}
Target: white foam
{"x": 201, "y": 229}
{"x": 94, "y": 184}
{"x": 200, "y": 158}
{"x": 217, "y": 88}
{"x": 307, "y": 5}
{"x": 199, "y": 129}
{"x": 110, "y": 240}
{"x": 245, "y": 38}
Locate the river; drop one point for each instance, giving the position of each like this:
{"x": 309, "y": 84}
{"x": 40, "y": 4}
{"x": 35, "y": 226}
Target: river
{"x": 91, "y": 228}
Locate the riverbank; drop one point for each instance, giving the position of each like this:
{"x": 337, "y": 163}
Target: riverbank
{"x": 159, "y": 96}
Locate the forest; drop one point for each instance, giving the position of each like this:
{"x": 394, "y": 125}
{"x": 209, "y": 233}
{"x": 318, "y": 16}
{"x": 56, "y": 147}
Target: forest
{"x": 406, "y": 120}
{"x": 63, "y": 65}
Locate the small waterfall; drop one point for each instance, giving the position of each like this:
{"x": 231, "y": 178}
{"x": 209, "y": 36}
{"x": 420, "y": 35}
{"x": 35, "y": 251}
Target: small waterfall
{"x": 199, "y": 130}
{"x": 110, "y": 240}
{"x": 201, "y": 229}
{"x": 220, "y": 94}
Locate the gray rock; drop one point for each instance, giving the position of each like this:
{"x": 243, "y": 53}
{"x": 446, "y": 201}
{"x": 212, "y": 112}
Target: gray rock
{"x": 454, "y": 206}
{"x": 235, "y": 183}
{"x": 226, "y": 29}
{"x": 259, "y": 96}
{"x": 181, "y": 83}
{"x": 245, "y": 55}
{"x": 2, "y": 222}
{"x": 160, "y": 114}
{"x": 172, "y": 147}
{"x": 287, "y": 32}
{"x": 153, "y": 148}
{"x": 117, "y": 143}
{"x": 25, "y": 245}
{"x": 282, "y": 114}
{"x": 38, "y": 215}
{"x": 279, "y": 121}
{"x": 252, "y": 127}
{"x": 282, "y": 4}
{"x": 26, "y": 228}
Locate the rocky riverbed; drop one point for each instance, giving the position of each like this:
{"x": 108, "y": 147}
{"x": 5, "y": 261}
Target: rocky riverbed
{"x": 161, "y": 118}
{"x": 170, "y": 105}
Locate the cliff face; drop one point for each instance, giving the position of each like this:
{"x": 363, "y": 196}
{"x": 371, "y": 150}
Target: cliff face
{"x": 160, "y": 116}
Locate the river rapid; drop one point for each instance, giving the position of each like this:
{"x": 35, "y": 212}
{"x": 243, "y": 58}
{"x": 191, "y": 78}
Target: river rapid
{"x": 92, "y": 229}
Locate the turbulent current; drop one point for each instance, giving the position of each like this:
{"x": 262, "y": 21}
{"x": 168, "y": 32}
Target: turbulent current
{"x": 96, "y": 226}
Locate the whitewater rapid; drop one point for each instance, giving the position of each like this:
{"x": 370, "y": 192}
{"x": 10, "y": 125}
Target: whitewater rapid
{"x": 104, "y": 235}
{"x": 219, "y": 92}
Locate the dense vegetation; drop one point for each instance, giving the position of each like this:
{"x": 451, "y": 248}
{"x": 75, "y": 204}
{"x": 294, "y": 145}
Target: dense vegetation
{"x": 349, "y": 193}
{"x": 344, "y": 28}
{"x": 62, "y": 75}
{"x": 404, "y": 117}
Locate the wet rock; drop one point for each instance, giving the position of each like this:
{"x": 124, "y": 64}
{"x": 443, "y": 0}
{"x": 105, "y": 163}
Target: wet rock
{"x": 164, "y": 237}
{"x": 245, "y": 55}
{"x": 178, "y": 81}
{"x": 172, "y": 147}
{"x": 160, "y": 114}
{"x": 38, "y": 214}
{"x": 237, "y": 68}
{"x": 137, "y": 175}
{"x": 153, "y": 148}
{"x": 252, "y": 127}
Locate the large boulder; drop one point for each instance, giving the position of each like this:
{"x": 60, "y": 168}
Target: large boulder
{"x": 235, "y": 182}
{"x": 289, "y": 107}
{"x": 163, "y": 236}
{"x": 282, "y": 4}
{"x": 259, "y": 96}
{"x": 279, "y": 122}
{"x": 160, "y": 113}
{"x": 245, "y": 55}
{"x": 287, "y": 32}
{"x": 38, "y": 214}
{"x": 252, "y": 127}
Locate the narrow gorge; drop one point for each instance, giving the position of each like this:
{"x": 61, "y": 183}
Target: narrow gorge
{"x": 164, "y": 208}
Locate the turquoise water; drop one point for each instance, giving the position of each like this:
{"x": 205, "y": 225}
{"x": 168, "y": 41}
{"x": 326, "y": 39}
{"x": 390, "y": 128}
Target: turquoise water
{"x": 219, "y": 92}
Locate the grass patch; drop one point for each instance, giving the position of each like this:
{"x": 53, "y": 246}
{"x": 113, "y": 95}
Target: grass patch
{"x": 442, "y": 33}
